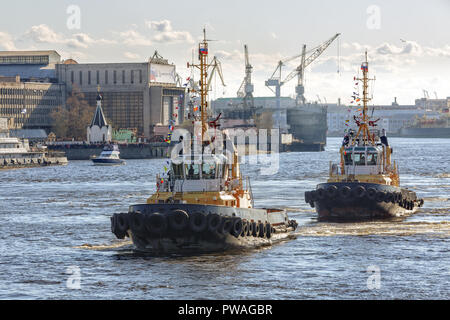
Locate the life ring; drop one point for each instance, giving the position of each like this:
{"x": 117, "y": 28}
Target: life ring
{"x": 332, "y": 191}
{"x": 380, "y": 196}
{"x": 197, "y": 222}
{"x": 236, "y": 228}
{"x": 156, "y": 223}
{"x": 214, "y": 222}
{"x": 359, "y": 192}
{"x": 178, "y": 220}
{"x": 344, "y": 192}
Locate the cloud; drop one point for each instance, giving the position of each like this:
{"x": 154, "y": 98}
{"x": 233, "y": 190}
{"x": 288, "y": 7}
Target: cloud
{"x": 131, "y": 55}
{"x": 6, "y": 41}
{"x": 134, "y": 38}
{"x": 44, "y": 34}
{"x": 273, "y": 35}
{"x": 164, "y": 32}
{"x": 160, "y": 26}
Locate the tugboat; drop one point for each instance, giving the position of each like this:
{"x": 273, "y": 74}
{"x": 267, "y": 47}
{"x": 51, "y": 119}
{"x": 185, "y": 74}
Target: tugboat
{"x": 108, "y": 157}
{"x": 366, "y": 184}
{"x": 204, "y": 204}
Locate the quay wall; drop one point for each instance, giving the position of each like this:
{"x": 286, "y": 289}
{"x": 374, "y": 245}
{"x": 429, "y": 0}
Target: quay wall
{"x": 130, "y": 151}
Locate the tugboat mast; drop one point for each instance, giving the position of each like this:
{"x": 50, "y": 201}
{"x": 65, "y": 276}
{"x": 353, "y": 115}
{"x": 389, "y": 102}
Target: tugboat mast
{"x": 203, "y": 66}
{"x": 363, "y": 126}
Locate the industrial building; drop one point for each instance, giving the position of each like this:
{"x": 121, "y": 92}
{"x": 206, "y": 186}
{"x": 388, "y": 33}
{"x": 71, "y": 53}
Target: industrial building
{"x": 136, "y": 96}
{"x": 29, "y": 90}
{"x": 141, "y": 97}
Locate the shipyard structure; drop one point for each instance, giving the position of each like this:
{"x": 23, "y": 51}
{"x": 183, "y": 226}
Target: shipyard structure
{"x": 302, "y": 127}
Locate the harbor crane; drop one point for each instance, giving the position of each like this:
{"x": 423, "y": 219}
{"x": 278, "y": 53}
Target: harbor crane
{"x": 216, "y": 67}
{"x": 246, "y": 89}
{"x": 275, "y": 79}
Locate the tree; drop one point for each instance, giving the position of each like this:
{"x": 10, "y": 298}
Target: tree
{"x": 71, "y": 122}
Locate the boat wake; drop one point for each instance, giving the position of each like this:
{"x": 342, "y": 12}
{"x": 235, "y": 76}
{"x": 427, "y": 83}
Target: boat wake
{"x": 439, "y": 229}
{"x": 100, "y": 247}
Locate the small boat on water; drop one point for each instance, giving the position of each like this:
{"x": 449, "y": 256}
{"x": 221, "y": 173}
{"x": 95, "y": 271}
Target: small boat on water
{"x": 204, "y": 204}
{"x": 365, "y": 184}
{"x": 109, "y": 156}
{"x": 17, "y": 153}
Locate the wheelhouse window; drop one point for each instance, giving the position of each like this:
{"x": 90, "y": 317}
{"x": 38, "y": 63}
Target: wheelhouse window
{"x": 348, "y": 159}
{"x": 360, "y": 159}
{"x": 177, "y": 170}
{"x": 193, "y": 171}
{"x": 372, "y": 159}
{"x": 208, "y": 170}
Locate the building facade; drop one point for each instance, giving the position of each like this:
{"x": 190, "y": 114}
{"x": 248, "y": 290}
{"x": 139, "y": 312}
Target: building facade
{"x": 136, "y": 96}
{"x": 29, "y": 89}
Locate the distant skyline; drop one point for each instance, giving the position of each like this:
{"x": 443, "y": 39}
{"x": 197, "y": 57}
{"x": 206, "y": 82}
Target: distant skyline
{"x": 407, "y": 41}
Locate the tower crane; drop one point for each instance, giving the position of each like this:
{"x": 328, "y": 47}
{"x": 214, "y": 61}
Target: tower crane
{"x": 275, "y": 79}
{"x": 300, "y": 70}
{"x": 246, "y": 89}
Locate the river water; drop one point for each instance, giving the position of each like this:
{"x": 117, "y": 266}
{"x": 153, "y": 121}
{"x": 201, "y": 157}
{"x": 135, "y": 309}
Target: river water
{"x": 56, "y": 243}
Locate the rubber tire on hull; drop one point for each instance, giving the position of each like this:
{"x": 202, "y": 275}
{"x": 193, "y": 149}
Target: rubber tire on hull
{"x": 198, "y": 222}
{"x": 359, "y": 192}
{"x": 244, "y": 231}
{"x": 268, "y": 230}
{"x": 332, "y": 192}
{"x": 371, "y": 193}
{"x": 321, "y": 193}
{"x": 156, "y": 223}
{"x": 178, "y": 220}
{"x": 262, "y": 230}
{"x": 226, "y": 225}
{"x": 138, "y": 223}
{"x": 251, "y": 225}
{"x": 214, "y": 222}
{"x": 380, "y": 196}
{"x": 237, "y": 226}
{"x": 255, "y": 229}
{"x": 344, "y": 192}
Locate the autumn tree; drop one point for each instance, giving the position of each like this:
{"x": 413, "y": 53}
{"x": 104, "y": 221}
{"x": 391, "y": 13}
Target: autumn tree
{"x": 71, "y": 122}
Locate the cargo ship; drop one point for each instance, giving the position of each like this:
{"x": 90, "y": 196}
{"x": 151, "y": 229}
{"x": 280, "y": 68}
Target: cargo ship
{"x": 365, "y": 185}
{"x": 203, "y": 203}
{"x": 429, "y": 128}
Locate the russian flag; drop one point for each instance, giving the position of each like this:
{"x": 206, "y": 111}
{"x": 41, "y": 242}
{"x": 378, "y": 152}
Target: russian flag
{"x": 203, "y": 50}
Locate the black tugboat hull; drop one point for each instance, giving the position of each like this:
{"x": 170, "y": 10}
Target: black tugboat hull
{"x": 154, "y": 228}
{"x": 354, "y": 201}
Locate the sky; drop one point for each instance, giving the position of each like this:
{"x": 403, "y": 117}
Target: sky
{"x": 408, "y": 41}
